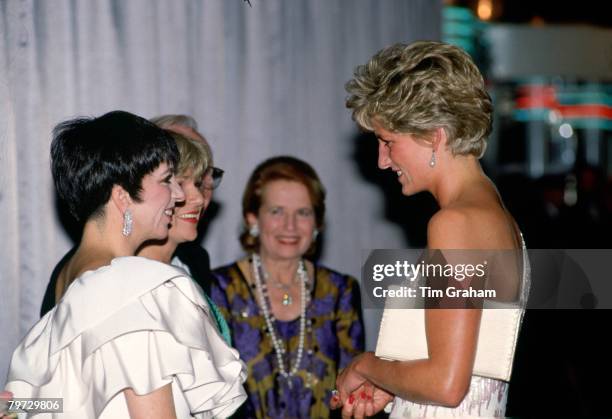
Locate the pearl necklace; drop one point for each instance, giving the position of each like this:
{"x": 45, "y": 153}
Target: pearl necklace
{"x": 279, "y": 348}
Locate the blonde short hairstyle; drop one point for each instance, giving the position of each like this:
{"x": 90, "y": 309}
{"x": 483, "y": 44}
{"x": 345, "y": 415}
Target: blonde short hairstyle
{"x": 417, "y": 88}
{"x": 195, "y": 156}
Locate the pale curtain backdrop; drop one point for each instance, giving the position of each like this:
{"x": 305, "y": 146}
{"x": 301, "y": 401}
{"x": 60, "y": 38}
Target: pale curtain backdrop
{"x": 261, "y": 81}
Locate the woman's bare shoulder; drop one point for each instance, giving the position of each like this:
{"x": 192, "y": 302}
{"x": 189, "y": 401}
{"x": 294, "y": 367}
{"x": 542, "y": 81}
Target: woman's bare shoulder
{"x": 469, "y": 226}
{"x": 449, "y": 228}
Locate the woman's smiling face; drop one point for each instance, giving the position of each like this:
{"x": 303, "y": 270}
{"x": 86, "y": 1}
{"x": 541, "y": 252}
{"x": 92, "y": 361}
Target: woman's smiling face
{"x": 286, "y": 220}
{"x": 160, "y": 192}
{"x": 188, "y": 213}
{"x": 406, "y": 156}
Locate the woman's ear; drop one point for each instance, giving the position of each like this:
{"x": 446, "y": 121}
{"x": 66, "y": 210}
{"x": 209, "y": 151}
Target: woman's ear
{"x": 120, "y": 198}
{"x": 439, "y": 138}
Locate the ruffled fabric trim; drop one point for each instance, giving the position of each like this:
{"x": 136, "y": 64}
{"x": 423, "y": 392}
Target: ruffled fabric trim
{"x": 159, "y": 331}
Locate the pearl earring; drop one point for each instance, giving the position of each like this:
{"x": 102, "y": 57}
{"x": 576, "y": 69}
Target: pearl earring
{"x": 254, "y": 230}
{"x": 432, "y": 161}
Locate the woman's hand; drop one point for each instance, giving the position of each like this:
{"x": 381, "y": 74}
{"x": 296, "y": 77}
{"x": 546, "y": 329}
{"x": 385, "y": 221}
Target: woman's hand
{"x": 375, "y": 400}
{"x": 357, "y": 396}
{"x": 367, "y": 400}
{"x": 349, "y": 379}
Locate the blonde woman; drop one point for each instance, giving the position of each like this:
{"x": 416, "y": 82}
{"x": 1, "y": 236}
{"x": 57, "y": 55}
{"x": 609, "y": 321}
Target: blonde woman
{"x": 427, "y": 105}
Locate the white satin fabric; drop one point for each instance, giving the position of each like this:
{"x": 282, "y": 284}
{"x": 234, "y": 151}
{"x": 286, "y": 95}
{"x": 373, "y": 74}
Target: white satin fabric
{"x": 135, "y": 323}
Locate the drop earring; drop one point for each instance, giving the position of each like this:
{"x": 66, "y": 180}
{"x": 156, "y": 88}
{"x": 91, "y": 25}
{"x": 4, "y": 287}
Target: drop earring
{"x": 432, "y": 161}
{"x": 127, "y": 223}
{"x": 254, "y": 230}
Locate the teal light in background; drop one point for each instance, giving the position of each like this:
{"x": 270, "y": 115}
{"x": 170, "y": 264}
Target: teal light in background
{"x": 461, "y": 28}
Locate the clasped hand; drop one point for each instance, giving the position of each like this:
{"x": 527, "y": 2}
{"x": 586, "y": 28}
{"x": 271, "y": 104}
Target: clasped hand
{"x": 357, "y": 396}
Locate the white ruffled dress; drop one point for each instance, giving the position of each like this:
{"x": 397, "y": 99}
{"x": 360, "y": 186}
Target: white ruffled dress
{"x": 135, "y": 323}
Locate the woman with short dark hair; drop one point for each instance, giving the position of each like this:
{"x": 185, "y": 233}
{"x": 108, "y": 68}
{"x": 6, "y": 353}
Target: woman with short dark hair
{"x": 130, "y": 337}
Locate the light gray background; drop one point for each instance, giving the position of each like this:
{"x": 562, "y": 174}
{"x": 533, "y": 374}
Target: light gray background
{"x": 261, "y": 81}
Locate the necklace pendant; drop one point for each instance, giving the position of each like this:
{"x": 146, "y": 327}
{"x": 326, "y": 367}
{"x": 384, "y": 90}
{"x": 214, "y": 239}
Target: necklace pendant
{"x": 287, "y": 300}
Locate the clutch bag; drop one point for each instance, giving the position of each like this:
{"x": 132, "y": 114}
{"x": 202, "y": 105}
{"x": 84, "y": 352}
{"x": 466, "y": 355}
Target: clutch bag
{"x": 402, "y": 337}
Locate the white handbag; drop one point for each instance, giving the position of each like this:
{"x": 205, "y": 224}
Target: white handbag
{"x": 402, "y": 337}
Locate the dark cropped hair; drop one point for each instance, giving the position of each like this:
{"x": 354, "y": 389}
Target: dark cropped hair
{"x": 281, "y": 168}
{"x": 91, "y": 155}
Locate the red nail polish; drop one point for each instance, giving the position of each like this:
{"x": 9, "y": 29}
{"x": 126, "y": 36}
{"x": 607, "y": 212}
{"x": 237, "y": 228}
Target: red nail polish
{"x": 351, "y": 399}
{"x": 362, "y": 395}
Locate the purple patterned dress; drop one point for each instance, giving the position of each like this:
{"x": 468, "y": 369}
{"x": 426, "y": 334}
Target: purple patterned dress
{"x": 334, "y": 337}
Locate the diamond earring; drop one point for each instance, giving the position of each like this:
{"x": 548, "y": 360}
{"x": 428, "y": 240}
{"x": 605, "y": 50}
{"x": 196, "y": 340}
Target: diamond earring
{"x": 432, "y": 161}
{"x": 254, "y": 230}
{"x": 127, "y": 223}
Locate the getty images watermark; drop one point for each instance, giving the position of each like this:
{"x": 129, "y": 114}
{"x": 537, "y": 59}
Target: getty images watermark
{"x": 540, "y": 278}
{"x": 412, "y": 272}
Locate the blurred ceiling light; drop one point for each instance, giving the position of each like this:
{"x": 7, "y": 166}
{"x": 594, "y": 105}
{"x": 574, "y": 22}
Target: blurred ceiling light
{"x": 565, "y": 130}
{"x": 570, "y": 192}
{"x": 554, "y": 117}
{"x": 485, "y": 9}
